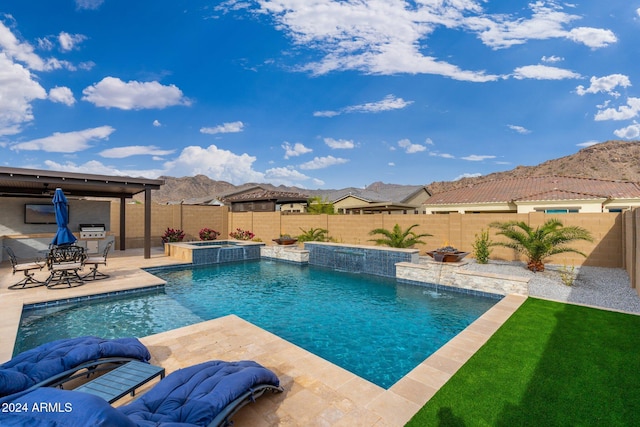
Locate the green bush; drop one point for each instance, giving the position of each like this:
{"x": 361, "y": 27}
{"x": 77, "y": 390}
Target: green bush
{"x": 482, "y": 247}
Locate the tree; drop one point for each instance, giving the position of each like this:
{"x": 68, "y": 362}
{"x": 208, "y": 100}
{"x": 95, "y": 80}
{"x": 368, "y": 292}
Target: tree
{"x": 397, "y": 238}
{"x": 316, "y": 205}
{"x": 537, "y": 244}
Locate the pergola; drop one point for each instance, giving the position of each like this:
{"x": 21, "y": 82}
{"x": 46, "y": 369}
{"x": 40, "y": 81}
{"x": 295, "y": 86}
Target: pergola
{"x": 33, "y": 183}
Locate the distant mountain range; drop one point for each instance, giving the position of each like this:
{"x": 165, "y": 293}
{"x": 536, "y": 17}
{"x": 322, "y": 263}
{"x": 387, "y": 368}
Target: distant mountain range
{"x": 611, "y": 160}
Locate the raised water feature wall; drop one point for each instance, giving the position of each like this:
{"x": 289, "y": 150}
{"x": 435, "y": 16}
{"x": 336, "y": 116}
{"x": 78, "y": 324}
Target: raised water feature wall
{"x": 214, "y": 252}
{"x": 379, "y": 261}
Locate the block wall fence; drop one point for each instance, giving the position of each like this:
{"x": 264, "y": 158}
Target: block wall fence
{"x": 615, "y": 245}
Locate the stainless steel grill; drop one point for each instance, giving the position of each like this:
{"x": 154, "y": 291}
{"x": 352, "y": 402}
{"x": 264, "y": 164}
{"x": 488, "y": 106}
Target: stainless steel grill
{"x": 92, "y": 231}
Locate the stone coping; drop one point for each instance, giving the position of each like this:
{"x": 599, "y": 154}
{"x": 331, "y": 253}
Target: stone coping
{"x": 317, "y": 392}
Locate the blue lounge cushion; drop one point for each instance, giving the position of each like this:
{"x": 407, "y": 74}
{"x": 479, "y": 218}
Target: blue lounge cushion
{"x": 188, "y": 397}
{"x": 197, "y": 394}
{"x": 47, "y": 360}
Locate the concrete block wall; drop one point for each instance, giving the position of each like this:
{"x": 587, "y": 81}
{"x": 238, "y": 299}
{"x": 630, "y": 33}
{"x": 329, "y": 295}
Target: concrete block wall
{"x": 458, "y": 230}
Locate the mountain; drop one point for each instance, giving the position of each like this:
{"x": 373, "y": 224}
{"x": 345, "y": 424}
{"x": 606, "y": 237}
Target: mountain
{"x": 611, "y": 160}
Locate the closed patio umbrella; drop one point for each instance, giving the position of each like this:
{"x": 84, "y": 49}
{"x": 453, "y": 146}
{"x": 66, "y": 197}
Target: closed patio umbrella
{"x": 63, "y": 236}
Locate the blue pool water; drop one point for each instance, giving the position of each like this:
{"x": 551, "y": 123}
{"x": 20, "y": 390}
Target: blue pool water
{"x": 371, "y": 326}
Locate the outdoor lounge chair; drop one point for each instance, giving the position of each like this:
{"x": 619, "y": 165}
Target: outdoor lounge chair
{"x": 27, "y": 268}
{"x": 208, "y": 394}
{"x": 57, "y": 362}
{"x": 94, "y": 274}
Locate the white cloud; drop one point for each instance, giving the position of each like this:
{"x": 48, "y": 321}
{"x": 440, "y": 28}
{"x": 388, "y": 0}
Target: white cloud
{"x": 477, "y": 158}
{"x": 231, "y": 127}
{"x": 294, "y": 150}
{"x": 629, "y": 132}
{"x": 19, "y": 51}
{"x": 467, "y": 175}
{"x": 606, "y": 84}
{"x": 593, "y": 37}
{"x": 156, "y": 123}
{"x": 134, "y": 150}
{"x": 547, "y": 21}
{"x": 623, "y": 112}
{"x": 18, "y": 89}
{"x": 69, "y": 41}
{"x": 410, "y": 148}
{"x": 377, "y": 37}
{"x": 113, "y": 92}
{"x": 284, "y": 176}
{"x": 543, "y": 72}
{"x": 339, "y": 144}
{"x": 216, "y": 163}
{"x": 323, "y": 162}
{"x": 443, "y": 155}
{"x": 391, "y": 164}
{"x": 588, "y": 143}
{"x": 520, "y": 129}
{"x": 389, "y": 102}
{"x": 88, "y": 4}
{"x": 66, "y": 142}
{"x": 62, "y": 95}
{"x": 327, "y": 113}
{"x": 552, "y": 59}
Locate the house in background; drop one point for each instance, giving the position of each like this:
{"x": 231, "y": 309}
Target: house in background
{"x": 402, "y": 200}
{"x": 257, "y": 199}
{"x": 550, "y": 194}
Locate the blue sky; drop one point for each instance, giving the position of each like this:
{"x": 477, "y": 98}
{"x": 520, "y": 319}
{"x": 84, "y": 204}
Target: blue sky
{"x": 313, "y": 93}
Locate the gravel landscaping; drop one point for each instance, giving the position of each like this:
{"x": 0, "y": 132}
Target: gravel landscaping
{"x": 595, "y": 286}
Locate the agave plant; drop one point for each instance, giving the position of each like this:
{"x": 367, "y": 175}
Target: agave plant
{"x": 397, "y": 238}
{"x": 542, "y": 242}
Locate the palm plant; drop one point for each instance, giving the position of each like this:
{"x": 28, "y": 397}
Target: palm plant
{"x": 397, "y": 238}
{"x": 314, "y": 235}
{"x": 539, "y": 243}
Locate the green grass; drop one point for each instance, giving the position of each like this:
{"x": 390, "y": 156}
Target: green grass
{"x": 550, "y": 364}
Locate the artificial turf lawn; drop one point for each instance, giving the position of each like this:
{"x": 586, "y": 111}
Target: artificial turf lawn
{"x": 550, "y": 364}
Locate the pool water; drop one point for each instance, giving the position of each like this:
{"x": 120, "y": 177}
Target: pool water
{"x": 374, "y": 327}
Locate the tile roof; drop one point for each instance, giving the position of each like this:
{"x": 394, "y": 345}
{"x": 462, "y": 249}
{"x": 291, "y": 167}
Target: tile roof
{"x": 268, "y": 195}
{"x": 537, "y": 188}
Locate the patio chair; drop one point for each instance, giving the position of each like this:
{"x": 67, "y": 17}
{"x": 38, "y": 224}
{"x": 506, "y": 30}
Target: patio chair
{"x": 208, "y": 394}
{"x": 94, "y": 274}
{"x": 64, "y": 262}
{"x": 55, "y": 363}
{"x": 27, "y": 268}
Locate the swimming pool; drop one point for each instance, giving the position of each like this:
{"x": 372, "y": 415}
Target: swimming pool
{"x": 374, "y": 327}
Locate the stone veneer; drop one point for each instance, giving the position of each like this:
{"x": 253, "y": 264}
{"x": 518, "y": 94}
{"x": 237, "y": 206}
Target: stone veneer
{"x": 452, "y": 274}
{"x": 285, "y": 253}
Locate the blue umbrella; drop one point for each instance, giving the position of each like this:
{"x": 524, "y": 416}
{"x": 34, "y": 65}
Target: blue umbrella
{"x": 63, "y": 236}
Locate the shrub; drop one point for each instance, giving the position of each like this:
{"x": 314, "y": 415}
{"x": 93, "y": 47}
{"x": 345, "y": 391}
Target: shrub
{"x": 208, "y": 234}
{"x": 542, "y": 242}
{"x": 314, "y": 235}
{"x": 482, "y": 247}
{"x": 241, "y": 234}
{"x": 398, "y": 238}
{"x": 172, "y": 235}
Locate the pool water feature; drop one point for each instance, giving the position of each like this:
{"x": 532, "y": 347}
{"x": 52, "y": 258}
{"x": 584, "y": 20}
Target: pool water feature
{"x": 214, "y": 251}
{"x": 372, "y": 326}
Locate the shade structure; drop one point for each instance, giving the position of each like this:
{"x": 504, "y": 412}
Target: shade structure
{"x": 63, "y": 236}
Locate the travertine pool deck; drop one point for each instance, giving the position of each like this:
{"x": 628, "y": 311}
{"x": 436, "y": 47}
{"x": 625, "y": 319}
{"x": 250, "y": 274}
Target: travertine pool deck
{"x": 317, "y": 392}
